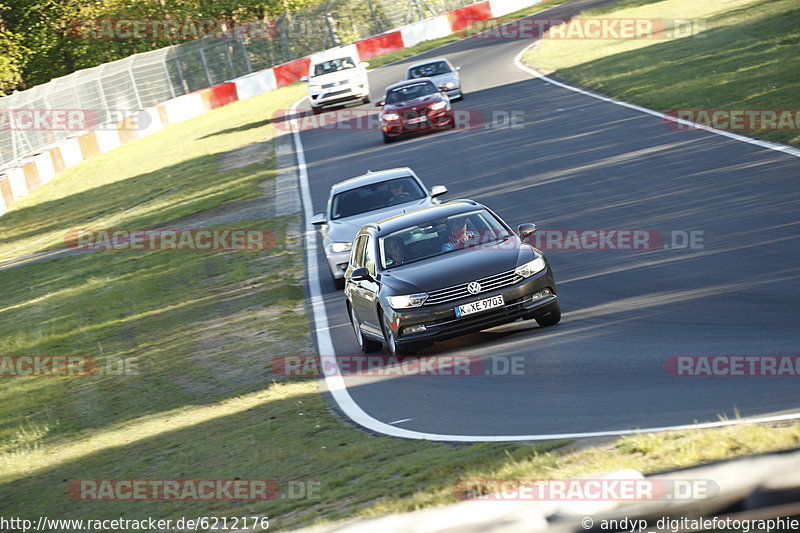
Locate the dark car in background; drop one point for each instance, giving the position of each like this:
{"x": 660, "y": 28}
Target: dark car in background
{"x": 441, "y": 272}
{"x": 412, "y": 106}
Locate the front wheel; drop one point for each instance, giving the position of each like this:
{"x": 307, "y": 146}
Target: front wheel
{"x": 550, "y": 319}
{"x": 387, "y": 139}
{"x": 365, "y": 344}
{"x": 338, "y": 283}
{"x": 365, "y": 100}
{"x": 388, "y": 336}
{"x": 316, "y": 110}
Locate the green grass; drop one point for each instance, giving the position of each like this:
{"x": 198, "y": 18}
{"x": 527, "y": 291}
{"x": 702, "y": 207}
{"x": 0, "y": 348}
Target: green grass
{"x": 150, "y": 181}
{"x": 746, "y": 59}
{"x": 199, "y": 330}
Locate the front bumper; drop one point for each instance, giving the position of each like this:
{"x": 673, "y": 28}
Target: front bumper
{"x": 338, "y": 94}
{"x": 433, "y": 120}
{"x": 441, "y": 322}
{"x": 337, "y": 263}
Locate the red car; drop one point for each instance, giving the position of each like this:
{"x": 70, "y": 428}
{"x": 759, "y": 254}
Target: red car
{"x": 414, "y": 105}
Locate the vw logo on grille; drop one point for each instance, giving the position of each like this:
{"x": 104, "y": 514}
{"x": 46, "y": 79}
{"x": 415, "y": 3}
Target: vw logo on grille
{"x": 474, "y": 287}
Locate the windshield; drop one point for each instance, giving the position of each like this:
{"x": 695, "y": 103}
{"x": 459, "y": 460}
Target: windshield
{"x": 429, "y": 69}
{"x": 334, "y": 65}
{"x": 409, "y": 92}
{"x": 440, "y": 236}
{"x": 376, "y": 196}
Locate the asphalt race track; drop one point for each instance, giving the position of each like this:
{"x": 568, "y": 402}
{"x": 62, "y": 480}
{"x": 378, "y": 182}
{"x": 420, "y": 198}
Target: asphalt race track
{"x": 581, "y": 163}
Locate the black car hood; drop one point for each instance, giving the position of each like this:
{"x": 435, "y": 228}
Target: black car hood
{"x": 460, "y": 266}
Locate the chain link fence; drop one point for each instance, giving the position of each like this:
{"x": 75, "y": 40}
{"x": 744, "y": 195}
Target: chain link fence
{"x": 146, "y": 79}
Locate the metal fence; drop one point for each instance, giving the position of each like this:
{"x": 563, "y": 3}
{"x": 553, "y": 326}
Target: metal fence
{"x": 145, "y": 79}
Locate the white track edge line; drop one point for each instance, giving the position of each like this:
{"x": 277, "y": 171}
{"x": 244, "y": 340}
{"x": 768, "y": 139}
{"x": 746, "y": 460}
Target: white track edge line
{"x": 764, "y": 144}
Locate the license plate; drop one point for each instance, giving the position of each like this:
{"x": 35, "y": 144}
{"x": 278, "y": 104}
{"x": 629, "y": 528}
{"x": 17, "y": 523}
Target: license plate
{"x": 416, "y": 120}
{"x": 480, "y": 305}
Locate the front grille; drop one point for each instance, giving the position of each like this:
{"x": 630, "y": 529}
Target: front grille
{"x": 334, "y": 93}
{"x": 334, "y": 84}
{"x": 457, "y": 292}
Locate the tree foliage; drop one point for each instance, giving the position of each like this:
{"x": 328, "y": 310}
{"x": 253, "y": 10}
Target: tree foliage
{"x": 38, "y": 40}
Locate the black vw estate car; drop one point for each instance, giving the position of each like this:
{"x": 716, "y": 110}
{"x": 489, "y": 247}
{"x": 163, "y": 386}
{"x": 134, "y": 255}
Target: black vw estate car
{"x": 441, "y": 272}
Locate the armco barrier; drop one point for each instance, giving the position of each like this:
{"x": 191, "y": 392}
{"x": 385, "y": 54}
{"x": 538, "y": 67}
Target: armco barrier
{"x": 184, "y": 107}
{"x": 290, "y": 72}
{"x": 255, "y": 84}
{"x": 88, "y": 144}
{"x": 463, "y": 17}
{"x": 39, "y": 169}
{"x": 426, "y": 30}
{"x": 380, "y": 45}
{"x": 31, "y": 173}
{"x": 16, "y": 179}
{"x": 45, "y": 170}
{"x": 219, "y": 95}
{"x": 107, "y": 138}
{"x": 71, "y": 152}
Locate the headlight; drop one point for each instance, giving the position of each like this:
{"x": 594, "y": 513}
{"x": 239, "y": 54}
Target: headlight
{"x": 408, "y": 300}
{"x": 339, "y": 247}
{"x": 449, "y": 85}
{"x": 529, "y": 269}
{"x": 437, "y": 106}
{"x": 391, "y": 116}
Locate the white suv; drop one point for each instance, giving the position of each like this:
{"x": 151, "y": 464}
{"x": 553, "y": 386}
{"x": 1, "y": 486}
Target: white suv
{"x": 337, "y": 80}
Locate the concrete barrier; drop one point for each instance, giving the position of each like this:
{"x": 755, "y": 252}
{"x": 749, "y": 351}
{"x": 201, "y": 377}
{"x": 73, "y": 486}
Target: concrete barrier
{"x": 255, "y": 84}
{"x": 16, "y": 179}
{"x": 45, "y": 169}
{"x": 464, "y": 16}
{"x": 426, "y": 30}
{"x": 71, "y": 152}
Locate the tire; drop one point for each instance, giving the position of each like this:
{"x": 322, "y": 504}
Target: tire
{"x": 365, "y": 344}
{"x": 316, "y": 110}
{"x": 550, "y": 319}
{"x": 365, "y": 100}
{"x": 387, "y": 139}
{"x": 338, "y": 283}
{"x": 388, "y": 336}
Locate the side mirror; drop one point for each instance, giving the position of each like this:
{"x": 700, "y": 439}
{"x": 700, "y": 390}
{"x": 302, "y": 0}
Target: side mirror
{"x": 458, "y": 68}
{"x": 304, "y": 78}
{"x": 360, "y": 274}
{"x": 526, "y": 230}
{"x": 438, "y": 190}
{"x": 380, "y": 103}
{"x": 318, "y": 219}
{"x": 364, "y": 64}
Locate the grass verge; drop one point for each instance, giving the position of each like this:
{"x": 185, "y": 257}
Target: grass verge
{"x": 745, "y": 58}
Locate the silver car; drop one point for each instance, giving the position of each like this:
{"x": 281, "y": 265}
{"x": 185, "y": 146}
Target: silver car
{"x": 368, "y": 198}
{"x": 443, "y": 74}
